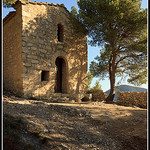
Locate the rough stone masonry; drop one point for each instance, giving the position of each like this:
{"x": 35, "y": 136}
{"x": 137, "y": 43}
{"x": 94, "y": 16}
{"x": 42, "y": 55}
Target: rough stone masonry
{"x": 138, "y": 99}
{"x": 42, "y": 54}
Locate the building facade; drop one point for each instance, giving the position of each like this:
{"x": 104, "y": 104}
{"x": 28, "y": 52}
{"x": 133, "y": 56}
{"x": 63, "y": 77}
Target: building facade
{"x": 42, "y": 54}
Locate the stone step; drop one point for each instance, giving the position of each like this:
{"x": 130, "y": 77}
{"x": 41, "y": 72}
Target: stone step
{"x": 58, "y": 97}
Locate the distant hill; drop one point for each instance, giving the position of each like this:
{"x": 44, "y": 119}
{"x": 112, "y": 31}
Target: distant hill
{"x": 127, "y": 88}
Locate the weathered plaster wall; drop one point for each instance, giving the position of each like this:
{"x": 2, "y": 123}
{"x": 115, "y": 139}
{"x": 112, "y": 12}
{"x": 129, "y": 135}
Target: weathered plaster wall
{"x": 41, "y": 48}
{"x": 138, "y": 99}
{"x": 12, "y": 56}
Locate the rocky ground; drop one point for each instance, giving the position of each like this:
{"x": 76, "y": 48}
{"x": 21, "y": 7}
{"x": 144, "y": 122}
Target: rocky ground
{"x": 79, "y": 126}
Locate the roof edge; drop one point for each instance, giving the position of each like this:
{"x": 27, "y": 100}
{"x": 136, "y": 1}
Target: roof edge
{"x": 9, "y": 16}
{"x": 25, "y": 2}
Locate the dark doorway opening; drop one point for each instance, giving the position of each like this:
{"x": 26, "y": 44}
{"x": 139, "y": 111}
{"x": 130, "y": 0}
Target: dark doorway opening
{"x": 61, "y": 76}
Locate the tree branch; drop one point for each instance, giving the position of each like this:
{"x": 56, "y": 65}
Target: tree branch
{"x": 122, "y": 58}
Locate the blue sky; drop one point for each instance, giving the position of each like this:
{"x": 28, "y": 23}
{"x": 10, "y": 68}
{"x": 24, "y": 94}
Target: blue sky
{"x": 92, "y": 51}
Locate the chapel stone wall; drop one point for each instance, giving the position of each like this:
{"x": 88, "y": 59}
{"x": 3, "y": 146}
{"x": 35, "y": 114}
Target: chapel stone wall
{"x": 41, "y": 48}
{"x": 138, "y": 99}
{"x": 12, "y": 55}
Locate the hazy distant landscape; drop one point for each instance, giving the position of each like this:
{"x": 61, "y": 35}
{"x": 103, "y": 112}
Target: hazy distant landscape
{"x": 127, "y": 88}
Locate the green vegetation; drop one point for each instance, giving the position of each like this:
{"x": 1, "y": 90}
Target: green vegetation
{"x": 90, "y": 77}
{"x": 97, "y": 86}
{"x": 8, "y": 3}
{"x": 120, "y": 28}
{"x": 77, "y": 25}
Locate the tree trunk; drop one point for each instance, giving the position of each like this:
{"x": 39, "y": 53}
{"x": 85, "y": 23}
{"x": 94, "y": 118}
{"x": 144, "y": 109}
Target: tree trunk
{"x": 111, "y": 95}
{"x": 112, "y": 71}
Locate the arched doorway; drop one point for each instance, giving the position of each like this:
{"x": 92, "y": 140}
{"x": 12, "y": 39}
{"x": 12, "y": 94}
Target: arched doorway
{"x": 61, "y": 75}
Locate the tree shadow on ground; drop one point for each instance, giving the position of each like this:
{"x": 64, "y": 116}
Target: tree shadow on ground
{"x": 65, "y": 126}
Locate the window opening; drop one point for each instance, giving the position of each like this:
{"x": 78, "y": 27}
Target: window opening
{"x": 60, "y": 33}
{"x": 45, "y": 76}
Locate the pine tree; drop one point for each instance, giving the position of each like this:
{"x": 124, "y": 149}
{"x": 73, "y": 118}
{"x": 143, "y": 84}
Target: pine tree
{"x": 120, "y": 28}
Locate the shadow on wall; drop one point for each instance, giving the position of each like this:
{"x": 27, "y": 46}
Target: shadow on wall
{"x": 41, "y": 48}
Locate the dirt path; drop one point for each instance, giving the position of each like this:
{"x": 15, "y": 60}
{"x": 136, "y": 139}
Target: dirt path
{"x": 83, "y": 126}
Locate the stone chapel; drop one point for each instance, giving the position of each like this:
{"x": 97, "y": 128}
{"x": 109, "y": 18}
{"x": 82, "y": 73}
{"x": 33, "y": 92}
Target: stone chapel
{"x": 42, "y": 54}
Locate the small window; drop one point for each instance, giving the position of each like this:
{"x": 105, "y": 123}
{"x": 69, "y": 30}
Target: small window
{"x": 45, "y": 76}
{"x": 60, "y": 33}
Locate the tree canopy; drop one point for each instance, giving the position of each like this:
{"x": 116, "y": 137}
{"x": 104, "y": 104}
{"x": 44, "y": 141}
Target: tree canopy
{"x": 120, "y": 28}
{"x": 8, "y": 3}
{"x": 96, "y": 86}
{"x": 90, "y": 77}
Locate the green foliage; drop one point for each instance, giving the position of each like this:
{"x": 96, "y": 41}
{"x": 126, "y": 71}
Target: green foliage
{"x": 138, "y": 76}
{"x": 120, "y": 28}
{"x": 77, "y": 25}
{"x": 90, "y": 77}
{"x": 8, "y": 3}
{"x": 97, "y": 86}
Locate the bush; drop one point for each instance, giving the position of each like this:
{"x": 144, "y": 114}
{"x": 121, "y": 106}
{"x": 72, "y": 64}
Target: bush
{"x": 85, "y": 99}
{"x": 97, "y": 95}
